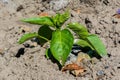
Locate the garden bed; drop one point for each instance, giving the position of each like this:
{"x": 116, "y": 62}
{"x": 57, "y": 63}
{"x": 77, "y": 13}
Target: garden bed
{"x": 28, "y": 62}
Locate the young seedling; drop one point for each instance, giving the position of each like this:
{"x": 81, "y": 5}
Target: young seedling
{"x": 61, "y": 40}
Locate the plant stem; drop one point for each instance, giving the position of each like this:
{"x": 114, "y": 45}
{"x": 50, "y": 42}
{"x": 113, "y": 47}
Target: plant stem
{"x": 44, "y": 38}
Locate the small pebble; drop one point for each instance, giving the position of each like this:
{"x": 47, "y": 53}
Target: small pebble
{"x": 82, "y": 56}
{"x": 33, "y": 39}
{"x": 5, "y": 1}
{"x": 11, "y": 27}
{"x": 94, "y": 60}
{"x": 106, "y": 67}
{"x": 27, "y": 29}
{"x": 58, "y": 4}
{"x": 76, "y": 49}
{"x": 34, "y": 44}
{"x": 71, "y": 58}
{"x": 26, "y": 45}
{"x": 100, "y": 73}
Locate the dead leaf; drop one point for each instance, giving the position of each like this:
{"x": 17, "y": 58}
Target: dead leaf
{"x": 43, "y": 14}
{"x": 72, "y": 66}
{"x": 76, "y": 69}
{"x": 117, "y": 15}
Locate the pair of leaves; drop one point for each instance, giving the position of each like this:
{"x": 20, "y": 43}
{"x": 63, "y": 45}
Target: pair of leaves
{"x": 87, "y": 39}
{"x": 54, "y": 21}
{"x": 44, "y": 34}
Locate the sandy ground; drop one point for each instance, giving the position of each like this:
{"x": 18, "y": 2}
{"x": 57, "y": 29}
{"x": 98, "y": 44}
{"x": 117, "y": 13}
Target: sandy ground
{"x": 98, "y": 17}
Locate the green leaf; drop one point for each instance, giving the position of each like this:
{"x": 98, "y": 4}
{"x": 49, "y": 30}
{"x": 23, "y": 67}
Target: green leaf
{"x": 82, "y": 43}
{"x": 79, "y": 29}
{"x": 61, "y": 45}
{"x": 64, "y": 17}
{"x": 29, "y": 36}
{"x": 26, "y": 37}
{"x": 97, "y": 44}
{"x": 55, "y": 20}
{"x": 60, "y": 19}
{"x": 40, "y": 21}
{"x": 46, "y": 32}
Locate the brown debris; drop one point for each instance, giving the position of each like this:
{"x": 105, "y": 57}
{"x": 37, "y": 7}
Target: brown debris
{"x": 43, "y": 14}
{"x": 72, "y": 66}
{"x": 1, "y": 51}
{"x": 77, "y": 11}
{"x": 78, "y": 72}
{"x": 117, "y": 15}
{"x": 75, "y": 68}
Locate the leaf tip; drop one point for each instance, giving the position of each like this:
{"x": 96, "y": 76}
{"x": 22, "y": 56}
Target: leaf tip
{"x": 19, "y": 42}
